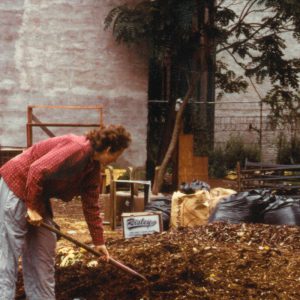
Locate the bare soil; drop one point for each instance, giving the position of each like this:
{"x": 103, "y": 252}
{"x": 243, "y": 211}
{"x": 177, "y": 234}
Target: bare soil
{"x": 214, "y": 261}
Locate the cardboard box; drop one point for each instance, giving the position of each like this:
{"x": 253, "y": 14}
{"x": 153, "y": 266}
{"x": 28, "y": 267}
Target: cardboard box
{"x": 141, "y": 223}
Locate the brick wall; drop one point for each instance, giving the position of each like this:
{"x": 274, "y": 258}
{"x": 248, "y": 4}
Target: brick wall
{"x": 235, "y": 112}
{"x": 57, "y": 53}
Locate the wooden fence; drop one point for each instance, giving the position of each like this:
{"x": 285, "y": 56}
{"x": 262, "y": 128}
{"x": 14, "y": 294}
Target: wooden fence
{"x": 278, "y": 177}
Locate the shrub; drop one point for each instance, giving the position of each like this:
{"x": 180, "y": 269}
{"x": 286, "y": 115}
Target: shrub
{"x": 217, "y": 167}
{"x": 288, "y": 151}
{"x": 221, "y": 160}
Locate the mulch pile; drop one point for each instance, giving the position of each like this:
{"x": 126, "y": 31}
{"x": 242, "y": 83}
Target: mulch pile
{"x": 215, "y": 261}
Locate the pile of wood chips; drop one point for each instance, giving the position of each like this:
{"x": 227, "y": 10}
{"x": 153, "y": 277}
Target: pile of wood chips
{"x": 214, "y": 261}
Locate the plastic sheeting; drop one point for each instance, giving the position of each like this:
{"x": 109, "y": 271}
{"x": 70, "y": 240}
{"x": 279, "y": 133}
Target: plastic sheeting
{"x": 282, "y": 211}
{"x": 193, "y": 187}
{"x": 257, "y": 206}
{"x": 162, "y": 205}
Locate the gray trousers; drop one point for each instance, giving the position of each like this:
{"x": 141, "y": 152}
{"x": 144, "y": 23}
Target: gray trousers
{"x": 36, "y": 246}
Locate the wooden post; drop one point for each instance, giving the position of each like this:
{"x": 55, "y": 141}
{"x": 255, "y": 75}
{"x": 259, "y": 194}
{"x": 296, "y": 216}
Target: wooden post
{"x": 114, "y": 206}
{"x": 101, "y": 117}
{"x": 238, "y": 172}
{"x": 28, "y": 126}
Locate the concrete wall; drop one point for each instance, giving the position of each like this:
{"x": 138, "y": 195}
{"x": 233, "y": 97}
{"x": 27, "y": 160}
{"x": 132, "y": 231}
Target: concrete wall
{"x": 57, "y": 53}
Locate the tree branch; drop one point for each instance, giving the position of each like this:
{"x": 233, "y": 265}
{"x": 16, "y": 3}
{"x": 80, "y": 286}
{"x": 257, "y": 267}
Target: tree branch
{"x": 245, "y": 40}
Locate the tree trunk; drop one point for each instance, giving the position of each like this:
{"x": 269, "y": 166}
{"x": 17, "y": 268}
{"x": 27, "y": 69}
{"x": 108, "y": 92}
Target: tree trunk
{"x": 159, "y": 175}
{"x": 203, "y": 66}
{"x": 202, "y": 129}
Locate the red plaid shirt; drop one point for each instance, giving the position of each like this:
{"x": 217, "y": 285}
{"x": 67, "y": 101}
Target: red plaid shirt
{"x": 60, "y": 167}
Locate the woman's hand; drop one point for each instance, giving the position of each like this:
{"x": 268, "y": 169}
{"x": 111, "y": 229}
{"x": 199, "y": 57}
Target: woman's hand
{"x": 33, "y": 217}
{"x": 102, "y": 249}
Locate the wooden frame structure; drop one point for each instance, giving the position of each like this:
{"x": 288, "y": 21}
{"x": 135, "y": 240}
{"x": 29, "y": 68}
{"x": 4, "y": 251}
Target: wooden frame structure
{"x": 33, "y": 121}
{"x": 130, "y": 192}
{"x": 274, "y": 176}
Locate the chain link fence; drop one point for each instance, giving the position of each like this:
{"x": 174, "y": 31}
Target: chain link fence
{"x": 249, "y": 120}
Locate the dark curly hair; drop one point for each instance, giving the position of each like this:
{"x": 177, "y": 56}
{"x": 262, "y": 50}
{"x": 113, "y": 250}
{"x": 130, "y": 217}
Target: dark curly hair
{"x": 114, "y": 136}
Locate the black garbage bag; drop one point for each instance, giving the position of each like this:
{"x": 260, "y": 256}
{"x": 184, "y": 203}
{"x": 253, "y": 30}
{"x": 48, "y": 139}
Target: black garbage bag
{"x": 162, "y": 205}
{"x": 193, "y": 187}
{"x": 282, "y": 211}
{"x": 243, "y": 207}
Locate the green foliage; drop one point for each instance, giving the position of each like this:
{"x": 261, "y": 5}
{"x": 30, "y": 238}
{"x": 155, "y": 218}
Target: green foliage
{"x": 259, "y": 49}
{"x": 222, "y": 160}
{"x": 216, "y": 161}
{"x": 172, "y": 29}
{"x": 236, "y": 150}
{"x": 285, "y": 104}
{"x": 227, "y": 81}
{"x": 224, "y": 16}
{"x": 286, "y": 9}
{"x": 271, "y": 62}
{"x": 165, "y": 25}
{"x": 288, "y": 150}
{"x": 130, "y": 25}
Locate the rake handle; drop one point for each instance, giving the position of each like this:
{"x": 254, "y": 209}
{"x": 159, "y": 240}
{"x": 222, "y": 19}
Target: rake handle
{"x": 93, "y": 251}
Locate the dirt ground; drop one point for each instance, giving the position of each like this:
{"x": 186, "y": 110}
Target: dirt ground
{"x": 213, "y": 261}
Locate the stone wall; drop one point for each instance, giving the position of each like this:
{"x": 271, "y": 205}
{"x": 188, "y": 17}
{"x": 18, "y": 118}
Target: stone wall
{"x": 57, "y": 53}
